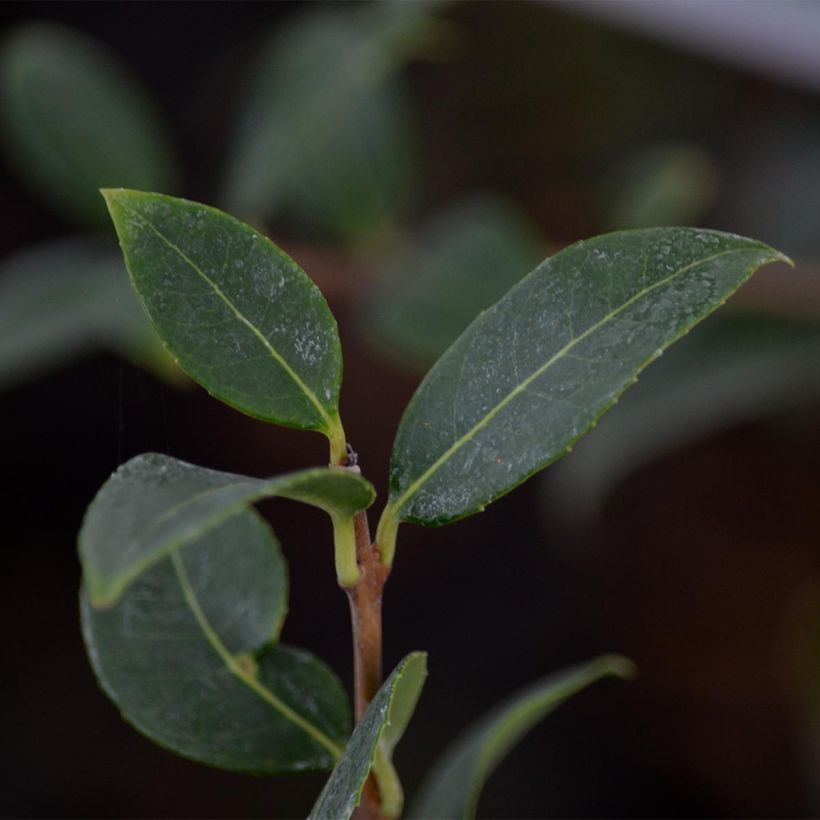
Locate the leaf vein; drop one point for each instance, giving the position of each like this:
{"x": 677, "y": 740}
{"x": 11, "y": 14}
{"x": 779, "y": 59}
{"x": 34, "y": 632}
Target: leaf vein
{"x": 231, "y": 664}
{"x": 278, "y": 358}
{"x": 612, "y": 314}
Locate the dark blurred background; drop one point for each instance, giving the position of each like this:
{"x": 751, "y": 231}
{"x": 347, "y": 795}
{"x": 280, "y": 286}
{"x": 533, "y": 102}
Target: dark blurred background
{"x": 682, "y": 533}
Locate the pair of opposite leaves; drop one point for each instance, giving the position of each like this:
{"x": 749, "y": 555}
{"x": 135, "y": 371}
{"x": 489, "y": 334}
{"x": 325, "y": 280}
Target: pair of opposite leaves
{"x": 530, "y": 376}
{"x": 522, "y": 383}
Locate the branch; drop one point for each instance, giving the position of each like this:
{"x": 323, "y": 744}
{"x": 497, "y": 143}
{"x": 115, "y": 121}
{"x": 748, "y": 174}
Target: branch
{"x": 365, "y": 599}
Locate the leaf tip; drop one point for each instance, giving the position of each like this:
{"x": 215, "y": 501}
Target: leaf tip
{"x": 102, "y": 593}
{"x": 99, "y": 596}
{"x": 114, "y": 195}
{"x": 781, "y": 257}
{"x": 420, "y": 657}
{"x": 618, "y": 666}
{"x": 111, "y": 197}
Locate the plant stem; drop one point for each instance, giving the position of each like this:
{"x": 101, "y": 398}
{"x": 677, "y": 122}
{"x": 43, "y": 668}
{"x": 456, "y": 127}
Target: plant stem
{"x": 366, "y": 619}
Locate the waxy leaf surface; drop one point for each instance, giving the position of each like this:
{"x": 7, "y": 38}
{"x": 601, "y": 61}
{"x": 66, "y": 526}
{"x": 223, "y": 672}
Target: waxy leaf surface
{"x": 534, "y": 372}
{"x": 189, "y": 655}
{"x": 75, "y": 120}
{"x": 454, "y": 784}
{"x": 372, "y": 744}
{"x": 237, "y": 313}
{"x": 154, "y": 503}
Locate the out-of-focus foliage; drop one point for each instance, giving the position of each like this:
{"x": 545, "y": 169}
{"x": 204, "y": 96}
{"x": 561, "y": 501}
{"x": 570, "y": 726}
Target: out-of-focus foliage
{"x": 732, "y": 369}
{"x": 326, "y": 139}
{"x": 66, "y": 297}
{"x": 453, "y": 786}
{"x": 775, "y": 183}
{"x": 74, "y": 120}
{"x": 325, "y": 135}
{"x": 661, "y": 184}
{"x": 462, "y": 261}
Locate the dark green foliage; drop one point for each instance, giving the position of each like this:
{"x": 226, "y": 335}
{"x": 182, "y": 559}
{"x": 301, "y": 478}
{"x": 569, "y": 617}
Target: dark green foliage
{"x": 189, "y": 655}
{"x": 239, "y": 316}
{"x": 533, "y": 374}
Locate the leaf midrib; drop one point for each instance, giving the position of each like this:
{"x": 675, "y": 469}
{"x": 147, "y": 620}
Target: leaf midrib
{"x": 278, "y": 358}
{"x": 206, "y": 523}
{"x": 234, "y": 667}
{"x": 522, "y": 386}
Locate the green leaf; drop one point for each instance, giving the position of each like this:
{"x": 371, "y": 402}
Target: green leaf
{"x": 325, "y": 134}
{"x": 189, "y": 656}
{"x": 730, "y": 371}
{"x": 462, "y": 262}
{"x": 66, "y": 297}
{"x": 154, "y": 503}
{"x": 75, "y": 120}
{"x": 454, "y": 784}
{"x": 372, "y": 745}
{"x": 534, "y": 373}
{"x": 239, "y": 315}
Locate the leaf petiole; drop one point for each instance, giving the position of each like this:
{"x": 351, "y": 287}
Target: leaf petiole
{"x": 386, "y": 532}
{"x": 344, "y": 542}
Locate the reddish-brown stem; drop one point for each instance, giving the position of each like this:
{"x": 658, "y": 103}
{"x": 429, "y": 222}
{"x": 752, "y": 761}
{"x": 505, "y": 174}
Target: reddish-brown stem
{"x": 366, "y": 619}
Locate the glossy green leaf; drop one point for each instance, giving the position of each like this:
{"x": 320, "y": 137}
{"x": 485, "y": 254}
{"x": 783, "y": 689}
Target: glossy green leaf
{"x": 238, "y": 314}
{"x": 325, "y": 135}
{"x": 462, "y": 262}
{"x": 66, "y": 297}
{"x": 75, "y": 120}
{"x": 730, "y": 371}
{"x": 453, "y": 787}
{"x": 154, "y": 503}
{"x": 189, "y": 656}
{"x": 533, "y": 374}
{"x": 372, "y": 743}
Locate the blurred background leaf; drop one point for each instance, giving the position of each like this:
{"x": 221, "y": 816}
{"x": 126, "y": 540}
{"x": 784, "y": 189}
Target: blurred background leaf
{"x": 661, "y": 184}
{"x": 326, "y": 135}
{"x": 67, "y": 297}
{"x": 731, "y": 370}
{"x": 544, "y": 106}
{"x": 75, "y": 120}
{"x": 773, "y": 181}
{"x": 463, "y": 260}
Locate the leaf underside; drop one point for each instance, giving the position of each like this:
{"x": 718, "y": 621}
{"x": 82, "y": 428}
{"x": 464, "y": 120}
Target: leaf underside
{"x": 239, "y": 316}
{"x": 379, "y": 730}
{"x": 535, "y": 372}
{"x": 155, "y": 503}
{"x": 453, "y": 787}
{"x": 189, "y": 656}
